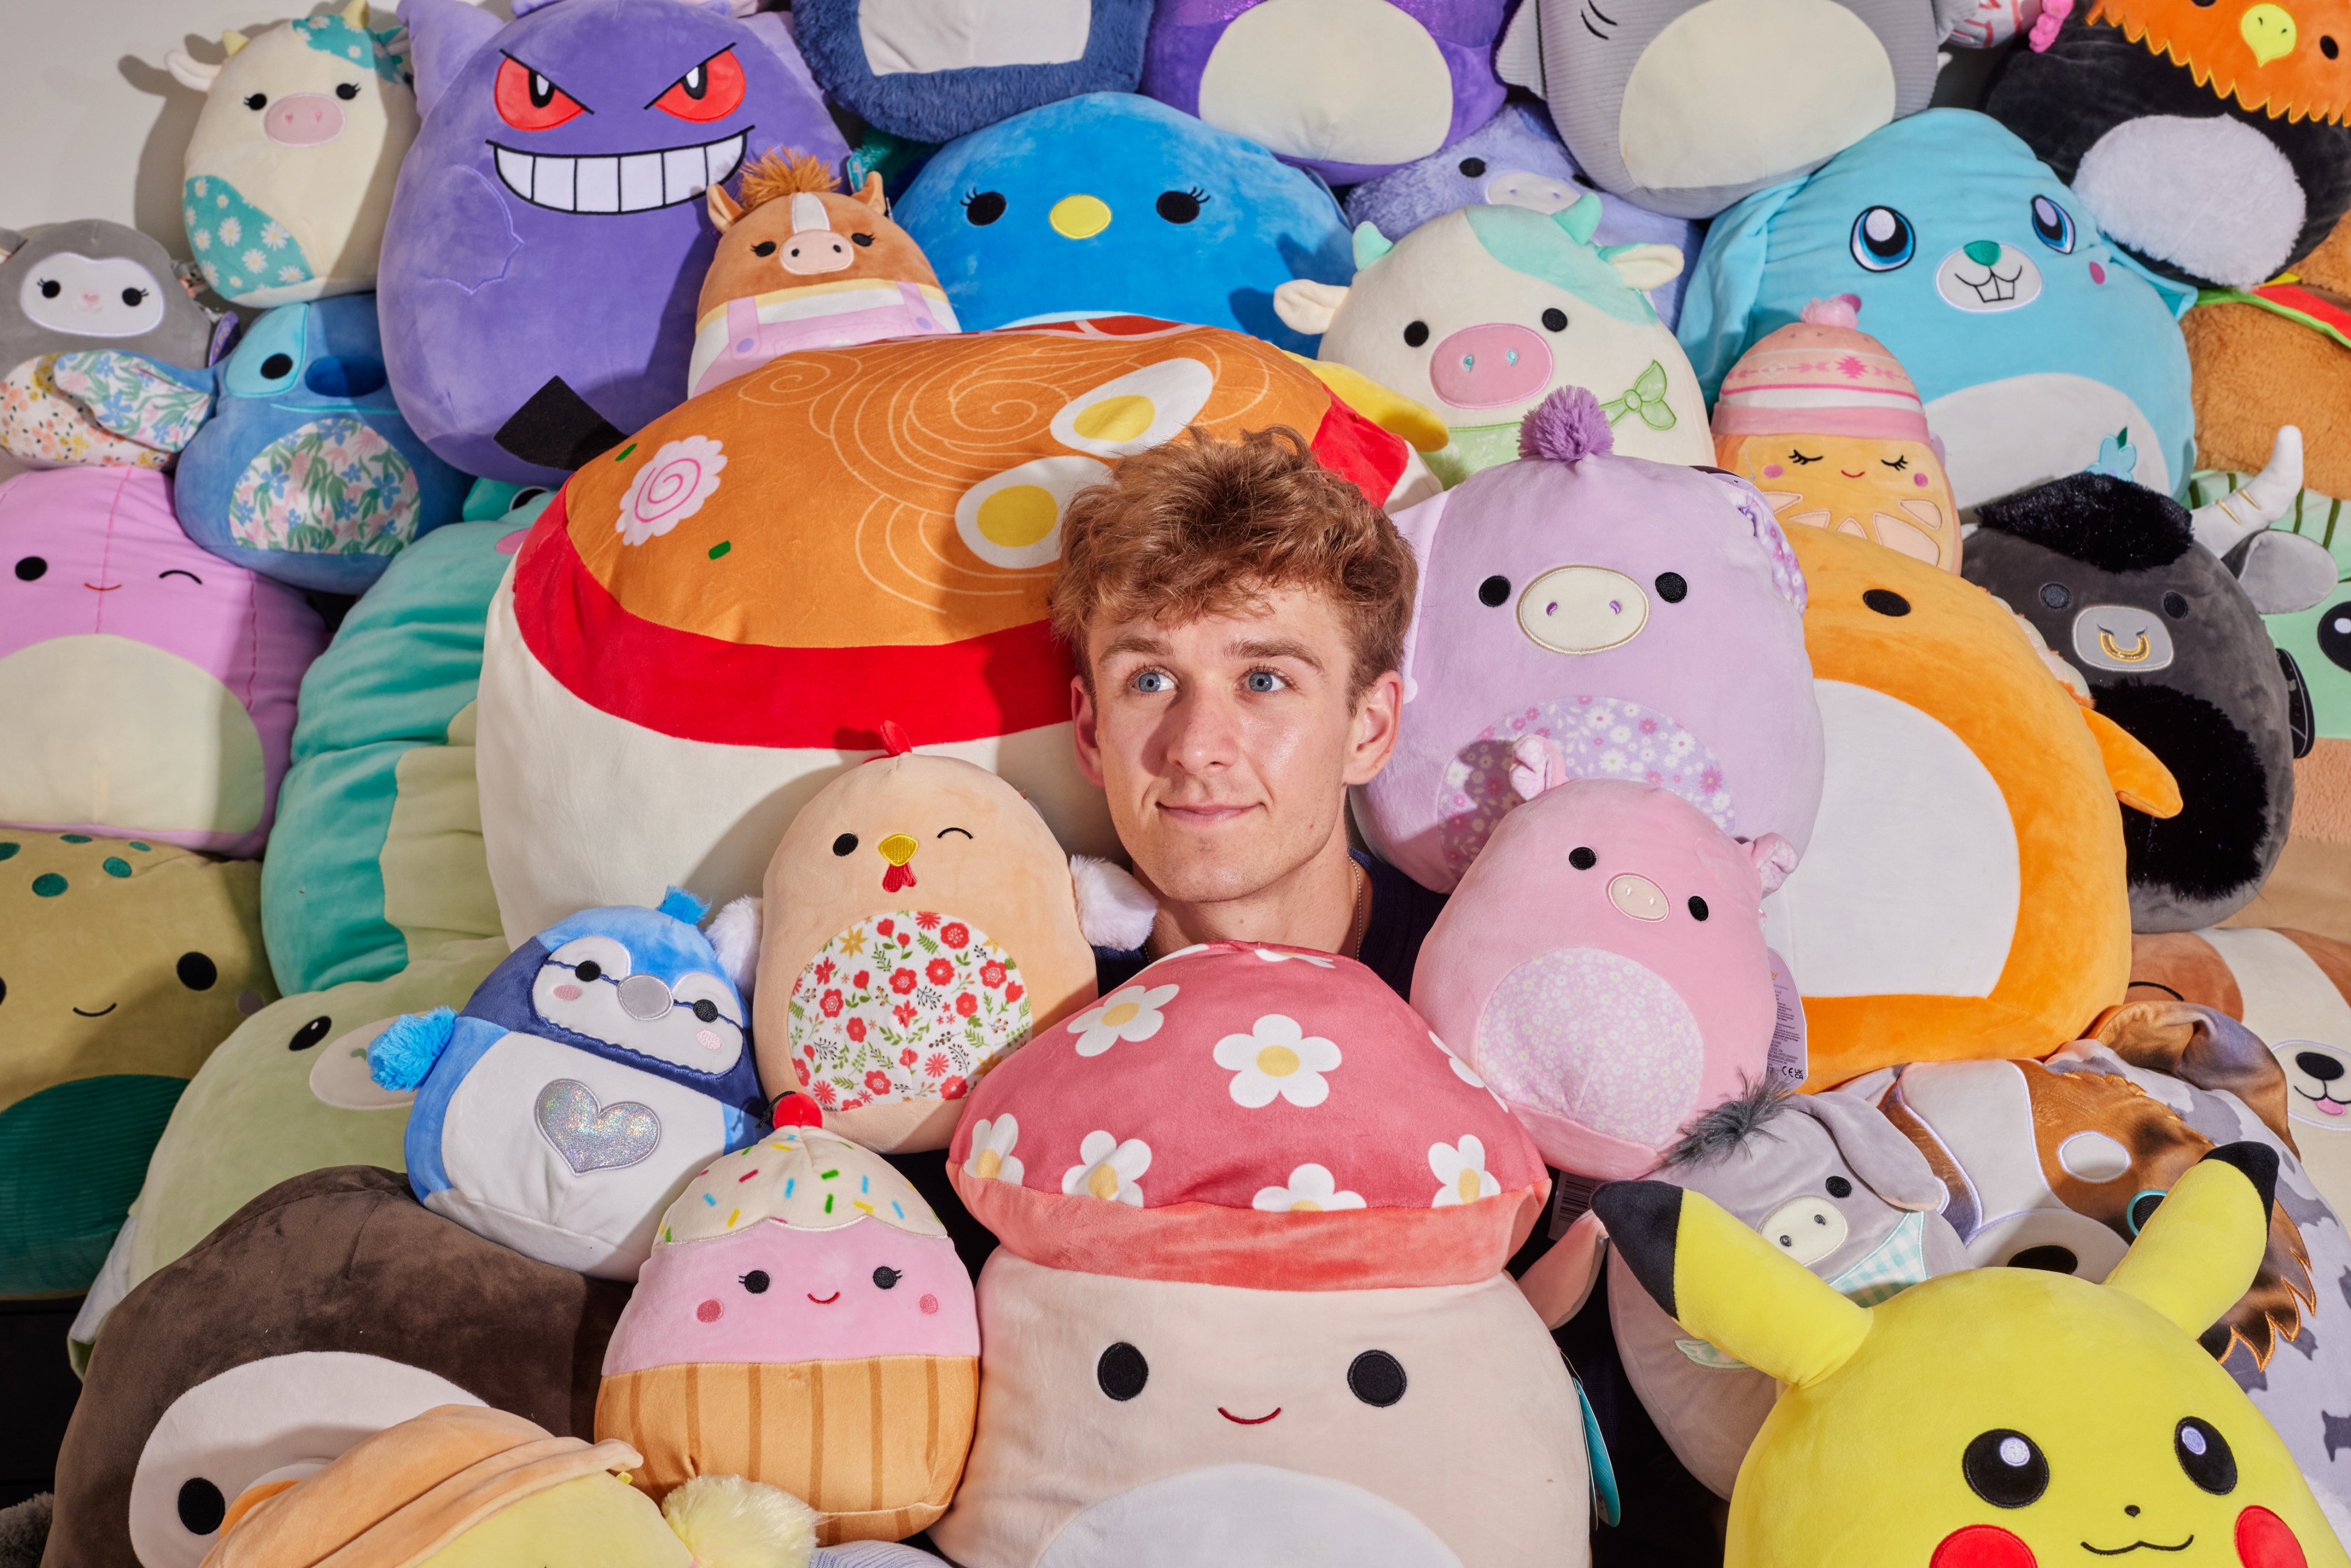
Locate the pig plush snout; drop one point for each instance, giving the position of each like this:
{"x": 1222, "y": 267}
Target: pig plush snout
{"x": 1490, "y": 366}
{"x": 303, "y": 120}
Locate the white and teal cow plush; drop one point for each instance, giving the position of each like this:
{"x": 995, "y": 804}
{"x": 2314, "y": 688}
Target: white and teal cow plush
{"x": 290, "y": 170}
{"x": 1485, "y": 311}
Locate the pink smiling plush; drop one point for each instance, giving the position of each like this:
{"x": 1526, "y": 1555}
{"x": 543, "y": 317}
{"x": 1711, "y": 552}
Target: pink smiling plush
{"x": 151, "y": 684}
{"x": 804, "y": 1321}
{"x": 1602, "y": 966}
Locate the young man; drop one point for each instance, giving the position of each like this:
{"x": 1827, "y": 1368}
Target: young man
{"x": 1237, "y": 614}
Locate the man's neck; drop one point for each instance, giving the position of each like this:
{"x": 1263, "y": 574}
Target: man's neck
{"x": 1313, "y": 907}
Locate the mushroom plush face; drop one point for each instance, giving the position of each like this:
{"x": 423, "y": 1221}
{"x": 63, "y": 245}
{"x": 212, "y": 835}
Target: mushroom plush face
{"x": 920, "y": 924}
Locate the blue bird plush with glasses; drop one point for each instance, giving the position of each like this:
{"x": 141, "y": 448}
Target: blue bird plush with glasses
{"x": 294, "y": 461}
{"x": 598, "y": 1069}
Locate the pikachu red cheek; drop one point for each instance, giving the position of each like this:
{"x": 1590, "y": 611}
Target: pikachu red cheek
{"x": 1982, "y": 1546}
{"x": 2265, "y": 1541}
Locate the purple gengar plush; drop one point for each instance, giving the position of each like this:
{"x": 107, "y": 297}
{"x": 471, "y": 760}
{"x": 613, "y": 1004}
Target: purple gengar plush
{"x": 549, "y": 225}
{"x": 1515, "y": 160}
{"x": 1412, "y": 75}
{"x": 1646, "y": 618}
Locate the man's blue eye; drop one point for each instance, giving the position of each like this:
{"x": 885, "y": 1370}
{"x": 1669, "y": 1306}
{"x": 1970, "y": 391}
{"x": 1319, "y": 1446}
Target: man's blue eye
{"x": 1263, "y": 681}
{"x": 1152, "y": 681}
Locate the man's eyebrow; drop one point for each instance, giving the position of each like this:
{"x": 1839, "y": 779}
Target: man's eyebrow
{"x": 1134, "y": 643}
{"x": 1279, "y": 648}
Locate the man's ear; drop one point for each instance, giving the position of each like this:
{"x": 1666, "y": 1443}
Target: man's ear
{"x": 1727, "y": 1285}
{"x": 1377, "y": 714}
{"x": 2201, "y": 1248}
{"x": 1082, "y": 735}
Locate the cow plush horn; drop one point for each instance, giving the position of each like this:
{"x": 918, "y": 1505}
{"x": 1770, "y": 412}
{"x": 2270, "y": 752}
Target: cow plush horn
{"x": 2224, "y": 524}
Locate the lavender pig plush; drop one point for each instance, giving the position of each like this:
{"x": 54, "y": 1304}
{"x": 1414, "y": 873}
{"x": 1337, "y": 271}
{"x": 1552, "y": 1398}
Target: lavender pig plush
{"x": 547, "y": 239}
{"x": 1601, "y": 966}
{"x": 1647, "y": 617}
{"x": 1827, "y": 1178}
{"x": 1515, "y": 160}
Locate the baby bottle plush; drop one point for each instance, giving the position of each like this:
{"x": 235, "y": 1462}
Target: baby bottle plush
{"x": 800, "y": 267}
{"x": 604, "y": 1061}
{"x": 294, "y": 459}
{"x": 86, "y": 285}
{"x": 1249, "y": 1305}
{"x": 804, "y": 1321}
{"x": 1644, "y": 618}
{"x": 921, "y": 924}
{"x": 1602, "y": 966}
{"x": 290, "y": 170}
{"x": 2074, "y": 1414}
{"x": 1831, "y": 1183}
{"x": 1829, "y": 426}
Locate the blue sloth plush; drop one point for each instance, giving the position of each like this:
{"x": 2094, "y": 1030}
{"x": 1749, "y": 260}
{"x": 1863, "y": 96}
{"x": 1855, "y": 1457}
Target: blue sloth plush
{"x": 600, "y": 1066}
{"x": 294, "y": 461}
{"x": 942, "y": 69}
{"x": 1113, "y": 204}
{"x": 2035, "y": 343}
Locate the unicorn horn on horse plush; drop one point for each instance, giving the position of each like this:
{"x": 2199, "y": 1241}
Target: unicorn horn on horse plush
{"x": 799, "y": 266}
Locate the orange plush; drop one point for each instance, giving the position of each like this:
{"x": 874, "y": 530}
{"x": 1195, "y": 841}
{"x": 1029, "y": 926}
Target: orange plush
{"x": 1963, "y": 896}
{"x": 2269, "y": 58}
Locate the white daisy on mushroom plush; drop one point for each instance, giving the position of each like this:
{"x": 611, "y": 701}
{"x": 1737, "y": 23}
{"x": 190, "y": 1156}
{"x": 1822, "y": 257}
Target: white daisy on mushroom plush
{"x": 1273, "y": 1329}
{"x": 992, "y": 1159}
{"x": 1130, "y": 1012}
{"x": 1277, "y": 1058}
{"x": 1460, "y": 1171}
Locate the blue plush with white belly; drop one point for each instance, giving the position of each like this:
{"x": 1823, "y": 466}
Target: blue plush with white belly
{"x": 594, "y": 1071}
{"x": 2034, "y": 341}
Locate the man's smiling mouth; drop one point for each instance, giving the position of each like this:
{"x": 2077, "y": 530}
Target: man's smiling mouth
{"x": 2137, "y": 1545}
{"x": 619, "y": 183}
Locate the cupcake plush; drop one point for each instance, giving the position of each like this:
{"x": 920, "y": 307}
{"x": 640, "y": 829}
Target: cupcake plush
{"x": 1829, "y": 426}
{"x": 1250, "y": 1304}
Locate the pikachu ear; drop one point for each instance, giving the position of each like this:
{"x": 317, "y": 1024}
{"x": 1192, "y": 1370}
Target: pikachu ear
{"x": 1727, "y": 1285}
{"x": 2198, "y": 1252}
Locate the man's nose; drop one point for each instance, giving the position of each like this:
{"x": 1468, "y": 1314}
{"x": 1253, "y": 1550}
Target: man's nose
{"x": 1204, "y": 733}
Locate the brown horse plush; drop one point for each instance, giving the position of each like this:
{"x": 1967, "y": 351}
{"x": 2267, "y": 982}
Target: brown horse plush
{"x": 801, "y": 266}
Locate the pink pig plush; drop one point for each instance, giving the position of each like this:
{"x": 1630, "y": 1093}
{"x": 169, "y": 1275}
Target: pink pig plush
{"x": 149, "y": 683}
{"x": 1602, "y": 967}
{"x": 1647, "y": 617}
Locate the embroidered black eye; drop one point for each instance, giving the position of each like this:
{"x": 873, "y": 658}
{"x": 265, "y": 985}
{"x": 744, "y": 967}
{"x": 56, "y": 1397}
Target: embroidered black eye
{"x": 1473, "y": 167}
{"x": 866, "y": 240}
{"x": 202, "y": 1507}
{"x": 51, "y": 289}
{"x": 588, "y": 969}
{"x": 1885, "y": 602}
{"x": 2005, "y": 1468}
{"x": 31, "y": 568}
{"x": 197, "y": 972}
{"x": 707, "y": 1011}
{"x": 1415, "y": 333}
{"x": 984, "y": 207}
{"x": 1800, "y": 459}
{"x": 1581, "y": 859}
{"x": 258, "y": 101}
{"x": 756, "y": 1282}
{"x": 765, "y": 247}
{"x": 2328, "y": 46}
{"x": 2204, "y": 1453}
{"x": 1897, "y": 463}
{"x": 2056, "y": 595}
{"x": 885, "y": 1278}
{"x": 179, "y": 571}
{"x": 1555, "y": 319}
{"x": 844, "y": 844}
{"x": 310, "y": 1033}
{"x": 1121, "y": 1372}
{"x": 348, "y": 91}
{"x": 1180, "y": 206}
{"x": 1697, "y": 908}
{"x": 1839, "y": 1188}
{"x": 277, "y": 366}
{"x": 1672, "y": 587}
{"x": 1883, "y": 239}
{"x": 945, "y": 831}
{"x": 2176, "y": 606}
{"x": 1494, "y": 592}
{"x": 1376, "y": 1378}
{"x": 132, "y": 297}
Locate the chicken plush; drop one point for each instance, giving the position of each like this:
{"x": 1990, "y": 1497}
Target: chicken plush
{"x": 594, "y": 1071}
{"x": 800, "y": 267}
{"x": 1964, "y": 894}
{"x": 804, "y": 1321}
{"x": 921, "y": 923}
{"x": 2079, "y": 1419}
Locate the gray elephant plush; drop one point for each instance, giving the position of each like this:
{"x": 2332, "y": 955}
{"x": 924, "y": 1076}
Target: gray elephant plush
{"x": 1825, "y": 1177}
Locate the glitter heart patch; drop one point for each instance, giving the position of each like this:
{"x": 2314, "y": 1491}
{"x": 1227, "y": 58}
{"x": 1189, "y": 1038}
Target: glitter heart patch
{"x": 593, "y": 1137}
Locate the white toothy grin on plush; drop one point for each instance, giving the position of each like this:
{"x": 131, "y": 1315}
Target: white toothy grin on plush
{"x": 619, "y": 182}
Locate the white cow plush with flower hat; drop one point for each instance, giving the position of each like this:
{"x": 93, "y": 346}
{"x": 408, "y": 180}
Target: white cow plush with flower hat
{"x": 290, "y": 170}
{"x": 1485, "y": 311}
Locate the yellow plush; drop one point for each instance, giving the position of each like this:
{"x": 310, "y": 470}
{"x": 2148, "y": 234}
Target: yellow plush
{"x": 920, "y": 924}
{"x": 1963, "y": 893}
{"x": 1994, "y": 1418}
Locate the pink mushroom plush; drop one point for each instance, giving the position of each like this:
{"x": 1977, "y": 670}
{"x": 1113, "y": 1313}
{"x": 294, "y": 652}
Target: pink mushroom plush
{"x": 1250, "y": 1304}
{"x": 804, "y": 1321}
{"x": 1601, "y": 966}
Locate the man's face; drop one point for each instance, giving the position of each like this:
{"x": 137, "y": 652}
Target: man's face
{"x": 1227, "y": 744}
